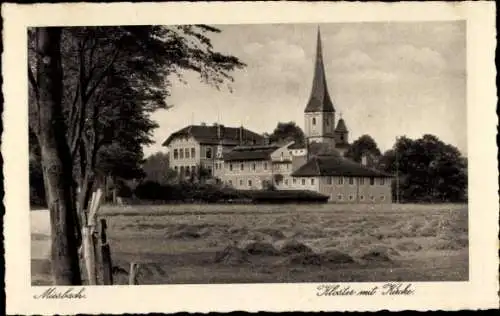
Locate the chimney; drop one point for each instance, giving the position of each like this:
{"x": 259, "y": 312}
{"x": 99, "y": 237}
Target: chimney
{"x": 221, "y": 131}
{"x": 266, "y": 139}
{"x": 241, "y": 135}
{"x": 364, "y": 160}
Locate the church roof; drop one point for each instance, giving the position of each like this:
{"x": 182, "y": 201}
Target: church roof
{"x": 245, "y": 153}
{"x": 297, "y": 146}
{"x": 336, "y": 166}
{"x": 205, "y": 134}
{"x": 320, "y": 100}
{"x": 341, "y": 127}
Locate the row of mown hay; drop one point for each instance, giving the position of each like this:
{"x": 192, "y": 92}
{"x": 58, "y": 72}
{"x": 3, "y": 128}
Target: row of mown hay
{"x": 297, "y": 253}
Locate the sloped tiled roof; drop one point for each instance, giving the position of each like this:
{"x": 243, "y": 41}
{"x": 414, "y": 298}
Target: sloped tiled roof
{"x": 245, "y": 153}
{"x": 320, "y": 100}
{"x": 342, "y": 145}
{"x": 322, "y": 149}
{"x": 297, "y": 146}
{"x": 336, "y": 166}
{"x": 205, "y": 134}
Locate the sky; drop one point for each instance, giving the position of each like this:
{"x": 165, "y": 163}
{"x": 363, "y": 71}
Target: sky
{"x": 385, "y": 79}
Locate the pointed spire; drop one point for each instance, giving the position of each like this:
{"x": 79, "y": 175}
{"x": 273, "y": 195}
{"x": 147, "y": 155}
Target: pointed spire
{"x": 341, "y": 127}
{"x": 320, "y": 100}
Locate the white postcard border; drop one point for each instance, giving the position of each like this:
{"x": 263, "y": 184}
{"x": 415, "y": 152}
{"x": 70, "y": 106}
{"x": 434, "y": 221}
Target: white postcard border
{"x": 482, "y": 288}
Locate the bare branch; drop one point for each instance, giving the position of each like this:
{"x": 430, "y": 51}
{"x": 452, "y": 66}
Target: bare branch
{"x": 103, "y": 73}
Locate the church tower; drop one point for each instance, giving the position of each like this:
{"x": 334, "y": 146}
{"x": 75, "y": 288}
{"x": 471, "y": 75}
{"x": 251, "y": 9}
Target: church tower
{"x": 341, "y": 137}
{"x": 319, "y": 113}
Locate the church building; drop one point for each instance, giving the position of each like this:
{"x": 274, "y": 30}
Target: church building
{"x": 319, "y": 165}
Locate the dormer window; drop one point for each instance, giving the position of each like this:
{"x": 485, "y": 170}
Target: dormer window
{"x": 314, "y": 121}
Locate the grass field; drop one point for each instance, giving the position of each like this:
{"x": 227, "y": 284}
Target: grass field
{"x": 285, "y": 243}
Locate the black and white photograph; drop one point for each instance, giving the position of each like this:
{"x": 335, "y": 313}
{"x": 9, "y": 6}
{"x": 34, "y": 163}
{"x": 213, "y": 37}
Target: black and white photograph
{"x": 327, "y": 153}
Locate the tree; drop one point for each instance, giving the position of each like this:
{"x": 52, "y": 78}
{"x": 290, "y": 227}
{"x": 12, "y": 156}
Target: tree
{"x": 157, "y": 168}
{"x": 287, "y": 132}
{"x": 364, "y": 145}
{"x": 99, "y": 86}
{"x": 428, "y": 169}
{"x": 50, "y": 130}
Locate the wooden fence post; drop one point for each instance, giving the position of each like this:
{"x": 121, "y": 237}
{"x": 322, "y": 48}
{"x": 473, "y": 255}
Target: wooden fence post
{"x": 107, "y": 264}
{"x": 89, "y": 239}
{"x": 132, "y": 277}
{"x": 88, "y": 251}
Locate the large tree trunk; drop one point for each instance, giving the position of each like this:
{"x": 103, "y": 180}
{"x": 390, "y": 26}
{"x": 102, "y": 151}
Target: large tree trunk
{"x": 56, "y": 159}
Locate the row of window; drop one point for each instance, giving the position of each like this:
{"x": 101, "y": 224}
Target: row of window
{"x": 188, "y": 170}
{"x": 312, "y": 181}
{"x": 253, "y": 166}
{"x": 186, "y": 153}
{"x": 340, "y": 197}
{"x": 361, "y": 181}
{"x": 181, "y": 153}
{"x": 249, "y": 182}
{"x": 327, "y": 120}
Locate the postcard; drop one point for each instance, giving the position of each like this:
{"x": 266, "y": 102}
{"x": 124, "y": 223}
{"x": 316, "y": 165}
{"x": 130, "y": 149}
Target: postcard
{"x": 198, "y": 157}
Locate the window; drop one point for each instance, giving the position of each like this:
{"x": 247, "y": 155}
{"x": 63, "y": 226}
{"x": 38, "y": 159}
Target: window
{"x": 351, "y": 197}
{"x": 312, "y": 181}
{"x": 249, "y": 183}
{"x": 186, "y": 154}
{"x": 176, "y": 169}
{"x": 241, "y": 182}
{"x": 181, "y": 153}
{"x": 329, "y": 180}
{"x": 351, "y": 180}
{"x": 339, "y": 197}
{"x": 362, "y": 197}
{"x": 265, "y": 165}
{"x": 208, "y": 152}
{"x": 241, "y": 166}
{"x": 287, "y": 166}
{"x": 187, "y": 170}
{"x": 303, "y": 181}
{"x": 286, "y": 181}
{"x": 342, "y": 137}
{"x": 381, "y": 181}
{"x": 382, "y": 197}
{"x": 230, "y": 167}
{"x": 176, "y": 154}
{"x": 209, "y": 170}
{"x": 253, "y": 166}
{"x": 372, "y": 198}
{"x": 193, "y": 152}
{"x": 314, "y": 121}
{"x": 361, "y": 180}
{"x": 230, "y": 182}
{"x": 341, "y": 180}
{"x": 327, "y": 121}
{"x": 182, "y": 170}
{"x": 294, "y": 181}
{"x": 372, "y": 181}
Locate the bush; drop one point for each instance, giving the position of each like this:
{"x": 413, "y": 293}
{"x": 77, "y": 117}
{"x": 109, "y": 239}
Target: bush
{"x": 290, "y": 196}
{"x": 186, "y": 192}
{"x": 150, "y": 190}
